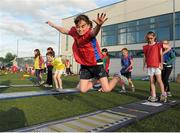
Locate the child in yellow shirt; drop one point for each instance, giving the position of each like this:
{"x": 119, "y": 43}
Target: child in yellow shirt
{"x": 38, "y": 66}
{"x": 59, "y": 69}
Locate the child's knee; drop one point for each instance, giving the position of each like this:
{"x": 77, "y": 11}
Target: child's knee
{"x": 106, "y": 89}
{"x": 83, "y": 90}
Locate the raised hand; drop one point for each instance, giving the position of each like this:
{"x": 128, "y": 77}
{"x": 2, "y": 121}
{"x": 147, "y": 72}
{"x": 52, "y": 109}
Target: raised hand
{"x": 50, "y": 23}
{"x": 100, "y": 19}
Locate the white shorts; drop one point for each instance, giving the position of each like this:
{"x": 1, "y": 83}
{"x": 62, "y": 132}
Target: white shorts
{"x": 153, "y": 71}
{"x": 59, "y": 71}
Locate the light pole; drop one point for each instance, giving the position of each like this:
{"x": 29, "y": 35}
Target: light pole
{"x": 59, "y": 44}
{"x": 174, "y": 37}
{"x": 17, "y": 47}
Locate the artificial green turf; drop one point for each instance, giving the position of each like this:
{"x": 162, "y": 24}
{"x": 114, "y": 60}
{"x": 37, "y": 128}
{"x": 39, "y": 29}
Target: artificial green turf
{"x": 17, "y": 113}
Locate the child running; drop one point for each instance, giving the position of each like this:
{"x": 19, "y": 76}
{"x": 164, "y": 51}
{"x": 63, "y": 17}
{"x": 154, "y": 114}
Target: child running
{"x": 86, "y": 52}
{"x": 127, "y": 67}
{"x": 59, "y": 69}
{"x": 168, "y": 60}
{"x": 38, "y": 66}
{"x": 153, "y": 58}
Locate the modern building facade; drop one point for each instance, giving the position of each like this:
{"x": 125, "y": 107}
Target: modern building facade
{"x": 127, "y": 24}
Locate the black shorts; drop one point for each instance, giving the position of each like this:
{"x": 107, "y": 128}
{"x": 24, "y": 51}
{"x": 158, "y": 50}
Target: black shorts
{"x": 126, "y": 74}
{"x": 88, "y": 72}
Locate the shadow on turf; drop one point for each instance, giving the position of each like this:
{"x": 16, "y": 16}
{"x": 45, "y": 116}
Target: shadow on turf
{"x": 65, "y": 96}
{"x": 6, "y": 82}
{"x": 14, "y": 118}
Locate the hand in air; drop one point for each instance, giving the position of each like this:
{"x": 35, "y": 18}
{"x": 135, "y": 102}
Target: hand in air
{"x": 100, "y": 19}
{"x": 50, "y": 23}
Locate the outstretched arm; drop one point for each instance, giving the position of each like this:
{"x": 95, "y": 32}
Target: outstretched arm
{"x": 59, "y": 28}
{"x": 99, "y": 22}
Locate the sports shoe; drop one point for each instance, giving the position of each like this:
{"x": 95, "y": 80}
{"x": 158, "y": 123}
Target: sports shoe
{"x": 169, "y": 94}
{"x": 133, "y": 88}
{"x": 122, "y": 91}
{"x": 41, "y": 82}
{"x": 152, "y": 99}
{"x": 123, "y": 78}
{"x": 163, "y": 98}
{"x": 48, "y": 86}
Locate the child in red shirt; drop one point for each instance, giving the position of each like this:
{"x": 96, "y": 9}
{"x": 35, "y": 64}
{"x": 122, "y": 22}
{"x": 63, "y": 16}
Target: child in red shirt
{"x": 86, "y": 52}
{"x": 153, "y": 59}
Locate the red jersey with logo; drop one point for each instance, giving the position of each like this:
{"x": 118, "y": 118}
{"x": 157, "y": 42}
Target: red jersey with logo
{"x": 86, "y": 49}
{"x": 153, "y": 54}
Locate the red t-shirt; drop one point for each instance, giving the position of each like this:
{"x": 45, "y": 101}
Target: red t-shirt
{"x": 153, "y": 54}
{"x": 86, "y": 49}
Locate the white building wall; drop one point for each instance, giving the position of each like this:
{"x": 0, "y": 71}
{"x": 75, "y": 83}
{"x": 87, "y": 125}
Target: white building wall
{"x": 117, "y": 13}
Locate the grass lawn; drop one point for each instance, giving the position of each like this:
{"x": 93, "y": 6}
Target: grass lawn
{"x": 18, "y": 113}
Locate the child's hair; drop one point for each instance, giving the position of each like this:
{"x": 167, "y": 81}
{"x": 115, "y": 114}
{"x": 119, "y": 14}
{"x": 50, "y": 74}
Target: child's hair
{"x": 38, "y": 53}
{"x": 50, "y": 48}
{"x": 84, "y": 18}
{"x": 124, "y": 49}
{"x": 105, "y": 50}
{"x": 150, "y": 33}
{"x": 167, "y": 42}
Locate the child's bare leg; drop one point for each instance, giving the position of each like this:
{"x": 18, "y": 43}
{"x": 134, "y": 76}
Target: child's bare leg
{"x": 161, "y": 85}
{"x": 85, "y": 85}
{"x": 59, "y": 80}
{"x": 152, "y": 86}
{"x": 108, "y": 86}
{"x": 55, "y": 80}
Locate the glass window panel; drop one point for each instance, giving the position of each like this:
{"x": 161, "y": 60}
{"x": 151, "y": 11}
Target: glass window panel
{"x": 122, "y": 38}
{"x": 122, "y": 30}
{"x": 177, "y": 15}
{"x": 140, "y": 36}
{"x": 178, "y": 32}
{"x": 163, "y": 33}
{"x": 129, "y": 29}
{"x": 131, "y": 38}
{"x": 109, "y": 40}
{"x": 122, "y": 25}
{"x": 144, "y": 21}
{"x": 164, "y": 17}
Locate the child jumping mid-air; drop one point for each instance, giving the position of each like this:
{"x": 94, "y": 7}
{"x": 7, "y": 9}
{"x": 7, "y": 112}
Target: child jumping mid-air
{"x": 87, "y": 52}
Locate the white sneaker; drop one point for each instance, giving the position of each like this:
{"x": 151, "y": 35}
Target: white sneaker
{"x": 123, "y": 78}
{"x": 42, "y": 82}
{"x": 169, "y": 94}
{"x": 122, "y": 91}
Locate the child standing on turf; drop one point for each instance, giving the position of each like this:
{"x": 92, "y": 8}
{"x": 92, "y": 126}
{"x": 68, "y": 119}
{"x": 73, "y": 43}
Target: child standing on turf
{"x": 153, "y": 59}
{"x": 59, "y": 67}
{"x": 168, "y": 60}
{"x": 38, "y": 66}
{"x": 49, "y": 81}
{"x": 87, "y": 52}
{"x": 127, "y": 67}
{"x": 106, "y": 60}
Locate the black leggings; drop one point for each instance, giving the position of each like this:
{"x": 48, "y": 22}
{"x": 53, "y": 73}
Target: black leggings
{"x": 49, "y": 80}
{"x": 165, "y": 77}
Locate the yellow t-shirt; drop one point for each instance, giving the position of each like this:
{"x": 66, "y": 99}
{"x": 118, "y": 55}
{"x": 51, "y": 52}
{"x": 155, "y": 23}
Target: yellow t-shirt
{"x": 57, "y": 63}
{"x": 36, "y": 63}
